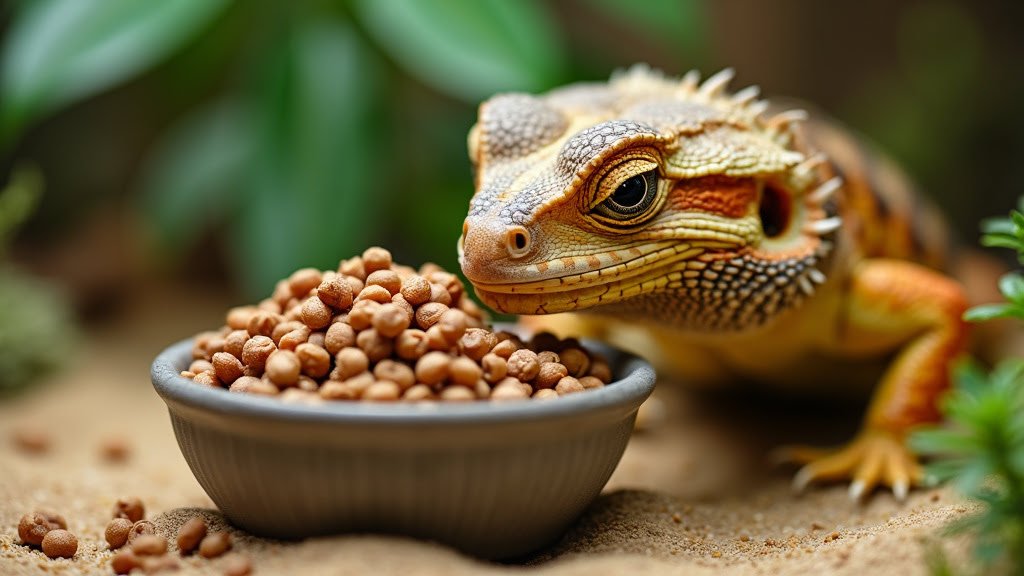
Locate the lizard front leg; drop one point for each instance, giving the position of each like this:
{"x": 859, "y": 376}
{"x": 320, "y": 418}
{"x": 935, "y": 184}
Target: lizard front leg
{"x": 892, "y": 304}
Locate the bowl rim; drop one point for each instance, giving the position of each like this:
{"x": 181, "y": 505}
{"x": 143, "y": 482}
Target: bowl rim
{"x": 632, "y": 389}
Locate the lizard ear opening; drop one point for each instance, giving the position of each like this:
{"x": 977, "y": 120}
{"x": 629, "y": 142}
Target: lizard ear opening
{"x": 775, "y": 211}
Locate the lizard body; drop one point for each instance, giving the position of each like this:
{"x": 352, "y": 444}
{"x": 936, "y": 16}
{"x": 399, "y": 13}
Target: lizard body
{"x": 722, "y": 242}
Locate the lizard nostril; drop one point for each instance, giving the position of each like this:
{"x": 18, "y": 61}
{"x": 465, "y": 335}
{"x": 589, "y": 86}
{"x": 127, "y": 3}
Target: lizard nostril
{"x": 517, "y": 241}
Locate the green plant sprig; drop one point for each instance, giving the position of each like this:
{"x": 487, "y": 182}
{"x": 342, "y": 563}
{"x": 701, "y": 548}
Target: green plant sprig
{"x": 981, "y": 447}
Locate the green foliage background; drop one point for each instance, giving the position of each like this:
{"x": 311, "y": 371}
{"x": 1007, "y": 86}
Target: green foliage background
{"x": 271, "y": 135}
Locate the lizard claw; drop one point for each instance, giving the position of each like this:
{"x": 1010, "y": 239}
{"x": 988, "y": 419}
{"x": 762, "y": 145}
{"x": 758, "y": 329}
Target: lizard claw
{"x": 871, "y": 459}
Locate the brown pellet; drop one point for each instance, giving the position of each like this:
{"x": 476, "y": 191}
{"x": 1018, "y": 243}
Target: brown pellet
{"x": 411, "y": 344}
{"x": 253, "y": 385}
{"x": 356, "y": 284}
{"x": 306, "y": 383}
{"x": 508, "y": 391}
{"x": 439, "y": 294}
{"x": 390, "y": 320}
{"x": 208, "y": 378}
{"x": 117, "y": 531}
{"x": 294, "y": 338}
{"x": 335, "y": 390}
{"x": 453, "y": 325}
{"x": 303, "y": 280}
{"x": 282, "y": 292}
{"x": 115, "y": 450}
{"x": 416, "y": 290}
{"x": 482, "y": 389}
{"x": 387, "y": 279}
{"x": 494, "y": 367}
{"x": 375, "y": 344}
{"x": 353, "y": 267}
{"x": 600, "y": 369}
{"x": 549, "y": 374}
{"x": 505, "y": 348}
{"x": 235, "y": 341}
{"x": 428, "y": 314}
{"x": 589, "y": 382}
{"x": 32, "y": 440}
{"x": 545, "y": 356}
{"x": 149, "y": 545}
{"x": 283, "y": 367}
{"x": 60, "y": 543}
{"x": 378, "y": 294}
{"x": 339, "y": 335}
{"x": 418, "y": 392}
{"x": 214, "y": 544}
{"x": 464, "y": 371}
{"x": 568, "y": 385}
{"x": 336, "y": 292}
{"x": 472, "y": 309}
{"x": 315, "y": 361}
{"x": 32, "y": 527}
{"x": 141, "y": 528}
{"x": 238, "y": 317}
{"x": 237, "y": 565}
{"x": 269, "y": 305}
{"x": 315, "y": 313}
{"x": 396, "y": 372}
{"x": 436, "y": 339}
{"x": 198, "y": 366}
{"x": 576, "y": 361}
{"x": 382, "y": 391}
{"x": 432, "y": 368}
{"x": 457, "y": 393}
{"x": 523, "y": 364}
{"x": 125, "y": 561}
{"x": 263, "y": 323}
{"x": 400, "y": 301}
{"x": 317, "y": 338}
{"x": 284, "y": 328}
{"x": 256, "y": 351}
{"x": 544, "y": 341}
{"x": 227, "y": 367}
{"x": 545, "y": 394}
{"x": 361, "y": 314}
{"x": 376, "y": 258}
{"x": 349, "y": 362}
{"x": 130, "y": 508}
{"x": 476, "y": 343}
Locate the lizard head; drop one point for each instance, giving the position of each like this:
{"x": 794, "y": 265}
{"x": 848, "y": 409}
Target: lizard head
{"x": 645, "y": 195}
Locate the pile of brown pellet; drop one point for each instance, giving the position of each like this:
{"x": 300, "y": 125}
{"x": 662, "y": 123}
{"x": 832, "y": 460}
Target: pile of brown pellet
{"x": 135, "y": 539}
{"x": 380, "y": 331}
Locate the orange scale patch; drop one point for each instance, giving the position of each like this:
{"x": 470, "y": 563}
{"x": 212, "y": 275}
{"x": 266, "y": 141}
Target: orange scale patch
{"x": 725, "y": 197}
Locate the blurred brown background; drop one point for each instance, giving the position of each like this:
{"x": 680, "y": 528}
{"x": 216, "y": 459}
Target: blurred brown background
{"x": 218, "y": 145}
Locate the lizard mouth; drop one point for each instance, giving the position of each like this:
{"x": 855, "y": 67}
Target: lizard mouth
{"x": 626, "y": 273}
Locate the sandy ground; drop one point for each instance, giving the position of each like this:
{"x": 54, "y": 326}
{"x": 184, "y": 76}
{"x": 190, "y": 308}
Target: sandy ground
{"x": 693, "y": 495}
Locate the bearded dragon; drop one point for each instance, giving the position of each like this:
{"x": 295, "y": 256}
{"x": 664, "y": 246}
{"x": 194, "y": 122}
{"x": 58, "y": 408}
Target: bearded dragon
{"x": 724, "y": 241}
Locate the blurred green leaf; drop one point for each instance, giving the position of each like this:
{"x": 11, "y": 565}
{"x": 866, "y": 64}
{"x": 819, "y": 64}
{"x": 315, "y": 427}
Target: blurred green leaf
{"x": 58, "y": 51}
{"x": 469, "y": 50}
{"x": 681, "y": 22}
{"x": 1012, "y": 287}
{"x": 194, "y": 174}
{"x": 317, "y": 178}
{"x": 18, "y": 200}
{"x": 993, "y": 311}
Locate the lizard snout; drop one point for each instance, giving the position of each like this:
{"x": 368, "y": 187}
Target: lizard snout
{"x": 486, "y": 249}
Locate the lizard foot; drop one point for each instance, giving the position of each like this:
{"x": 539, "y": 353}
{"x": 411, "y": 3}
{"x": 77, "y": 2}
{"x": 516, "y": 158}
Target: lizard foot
{"x": 872, "y": 457}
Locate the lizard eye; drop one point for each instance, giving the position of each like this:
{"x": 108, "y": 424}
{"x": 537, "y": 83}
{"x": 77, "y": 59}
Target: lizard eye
{"x": 632, "y": 198}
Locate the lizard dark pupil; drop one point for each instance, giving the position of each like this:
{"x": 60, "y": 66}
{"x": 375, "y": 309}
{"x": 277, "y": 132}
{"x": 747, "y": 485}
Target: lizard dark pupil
{"x": 631, "y": 192}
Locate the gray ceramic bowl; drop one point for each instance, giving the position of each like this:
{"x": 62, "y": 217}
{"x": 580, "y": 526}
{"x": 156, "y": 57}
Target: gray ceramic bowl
{"x": 497, "y": 480}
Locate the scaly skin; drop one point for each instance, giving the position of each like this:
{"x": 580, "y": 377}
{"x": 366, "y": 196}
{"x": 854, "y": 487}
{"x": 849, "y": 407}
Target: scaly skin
{"x": 722, "y": 243}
